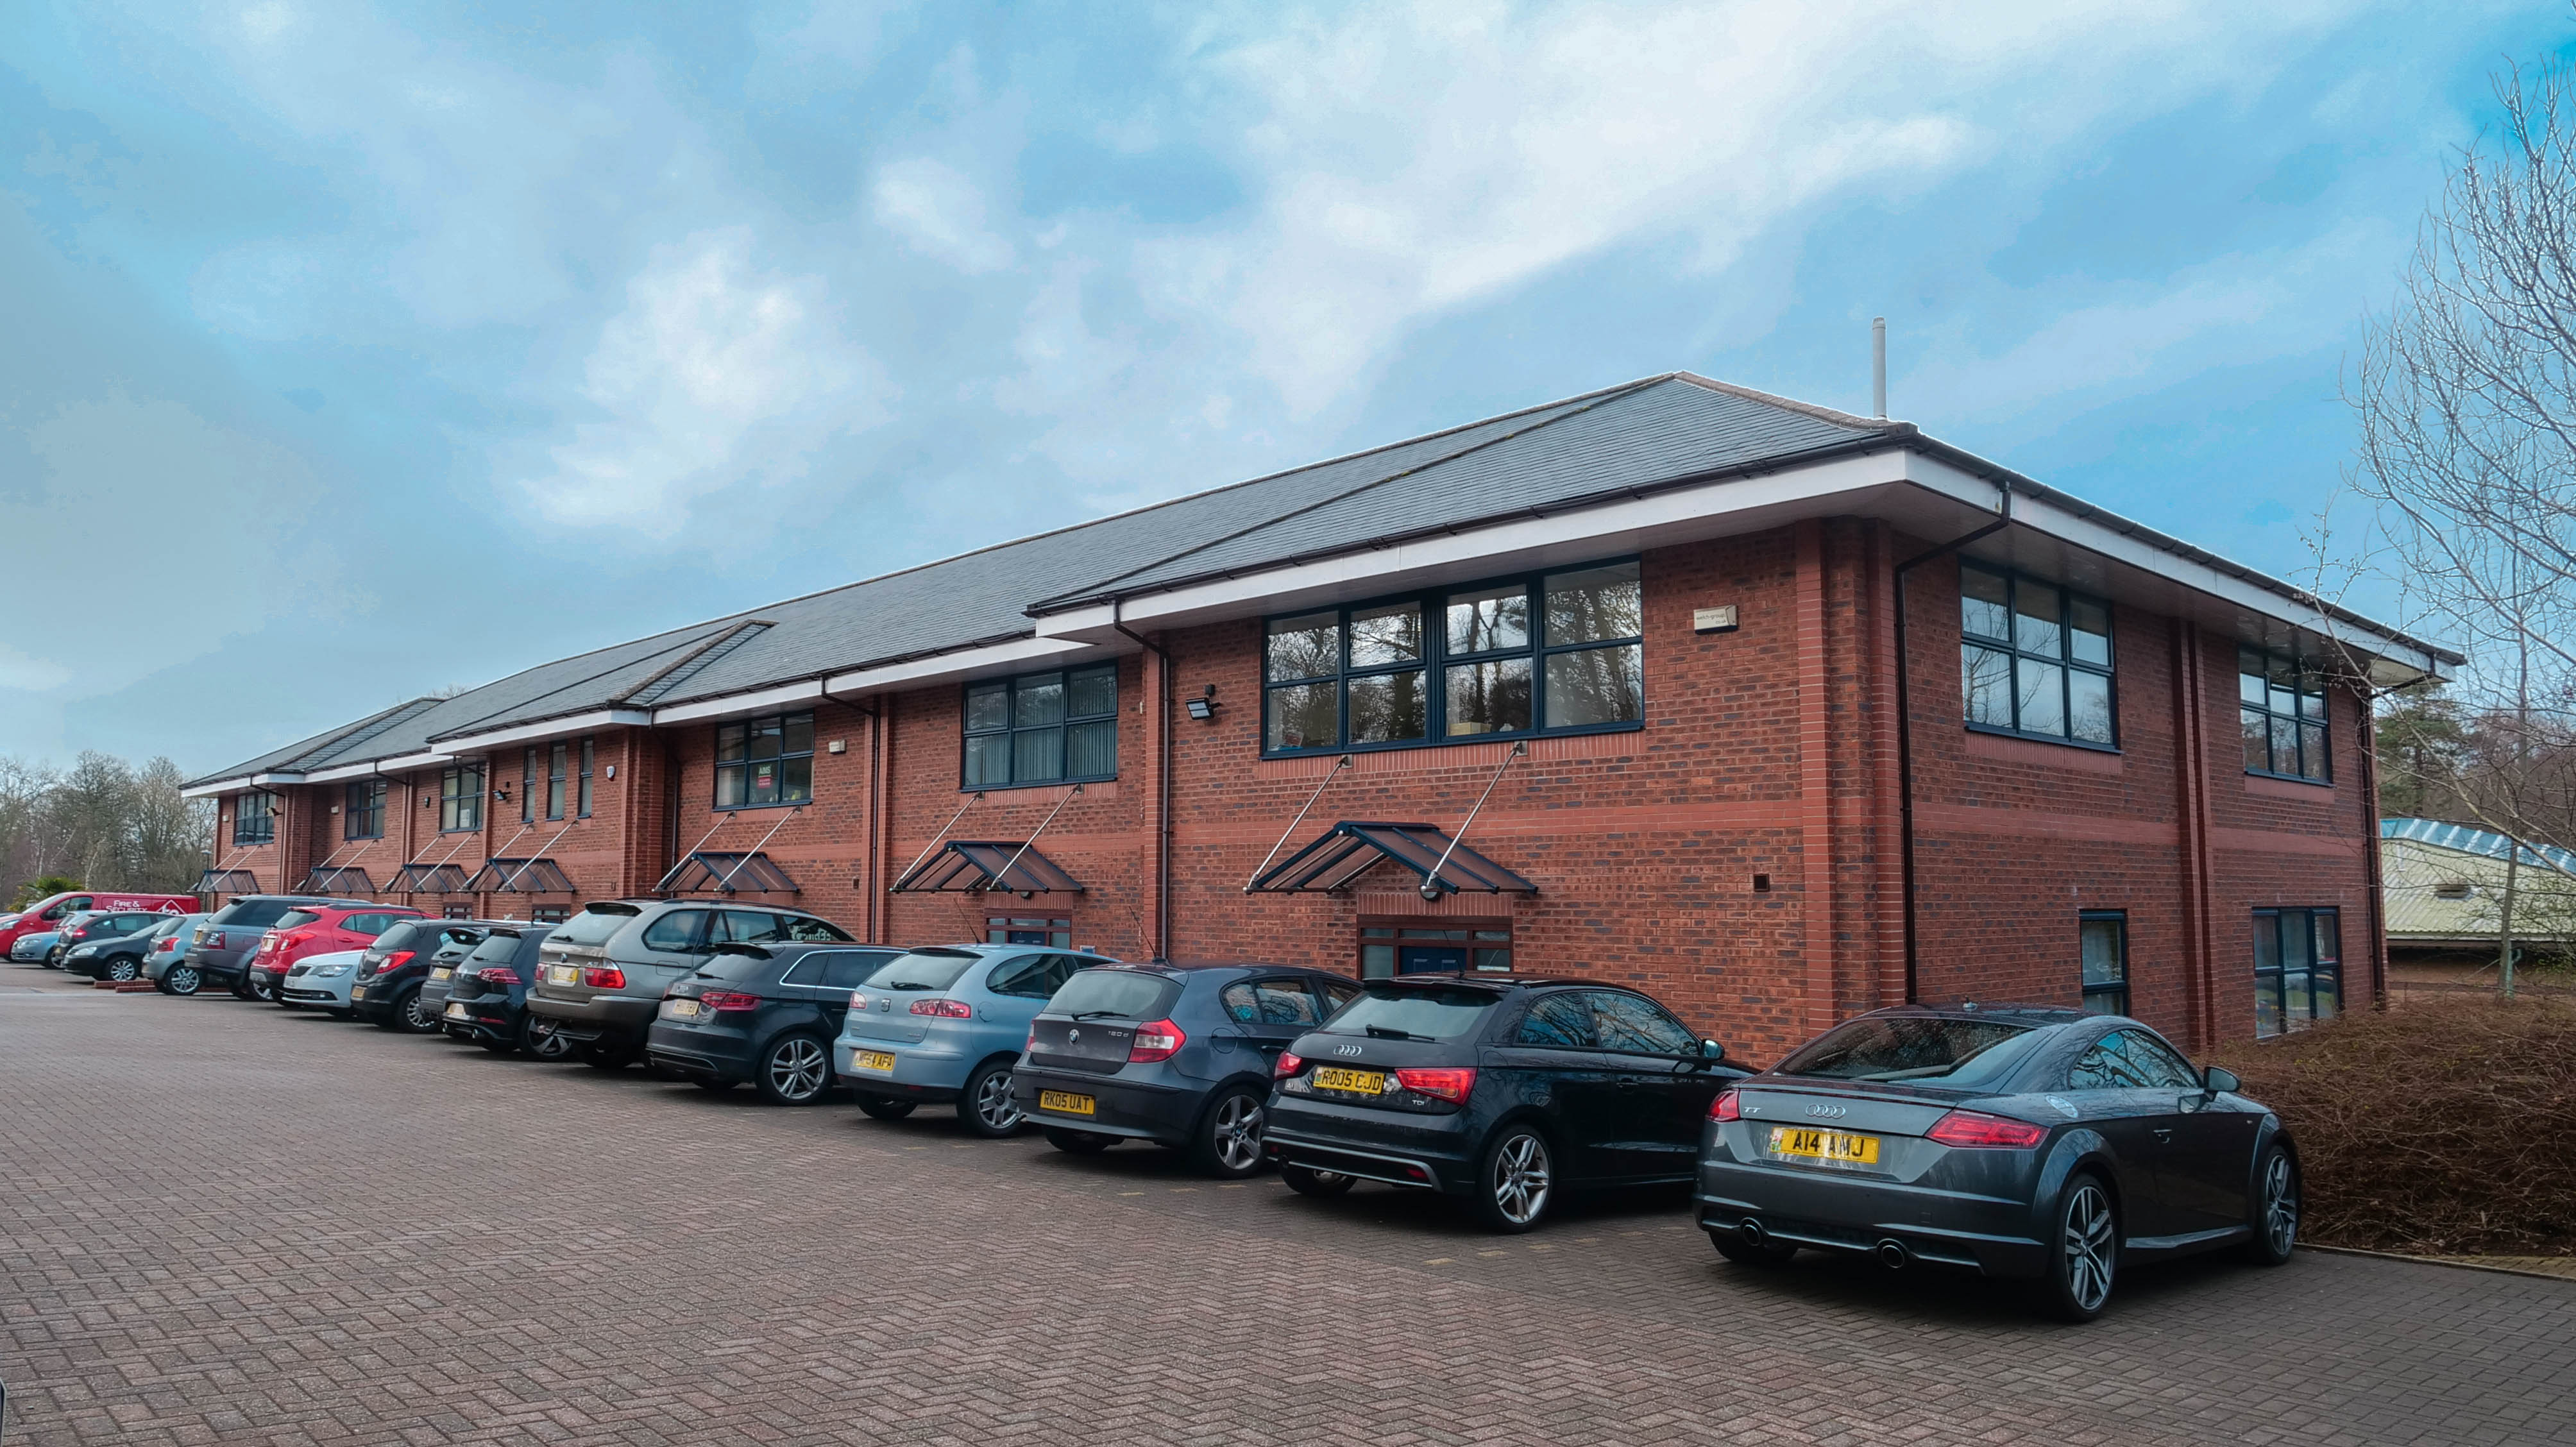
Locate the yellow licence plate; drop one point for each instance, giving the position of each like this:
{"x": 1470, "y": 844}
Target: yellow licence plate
{"x": 682, "y": 1009}
{"x": 1366, "y": 1082}
{"x": 563, "y": 974}
{"x": 882, "y": 1060}
{"x": 441, "y": 974}
{"x": 357, "y": 992}
{"x": 1067, "y": 1102}
{"x": 456, "y": 1012}
{"x": 1838, "y": 1147}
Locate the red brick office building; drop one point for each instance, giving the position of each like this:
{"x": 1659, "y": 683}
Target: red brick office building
{"x": 1779, "y": 712}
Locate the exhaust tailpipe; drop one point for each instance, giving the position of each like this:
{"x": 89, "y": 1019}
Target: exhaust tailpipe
{"x": 1891, "y": 1253}
{"x": 1751, "y": 1231}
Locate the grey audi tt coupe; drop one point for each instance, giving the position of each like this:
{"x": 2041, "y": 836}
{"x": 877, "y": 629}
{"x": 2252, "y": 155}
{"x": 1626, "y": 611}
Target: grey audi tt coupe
{"x": 2017, "y": 1141}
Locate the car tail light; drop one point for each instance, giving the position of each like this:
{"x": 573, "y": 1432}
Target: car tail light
{"x": 1726, "y": 1107}
{"x": 393, "y": 960}
{"x": 161, "y": 947}
{"x": 1975, "y": 1131}
{"x": 729, "y": 1000}
{"x": 497, "y": 975}
{"x": 76, "y": 934}
{"x": 1159, "y": 1041}
{"x": 296, "y": 937}
{"x": 1449, "y": 1083}
{"x": 1290, "y": 1062}
{"x": 603, "y": 977}
{"x": 858, "y": 999}
{"x": 944, "y": 1008}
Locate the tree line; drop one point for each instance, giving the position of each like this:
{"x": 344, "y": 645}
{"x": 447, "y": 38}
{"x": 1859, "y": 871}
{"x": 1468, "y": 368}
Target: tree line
{"x": 100, "y": 824}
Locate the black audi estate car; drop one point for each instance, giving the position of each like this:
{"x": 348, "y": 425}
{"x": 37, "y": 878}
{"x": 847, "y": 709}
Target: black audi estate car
{"x": 1177, "y": 1054}
{"x": 486, "y": 996}
{"x": 2016, "y": 1141}
{"x": 1507, "y": 1090}
{"x": 763, "y": 1013}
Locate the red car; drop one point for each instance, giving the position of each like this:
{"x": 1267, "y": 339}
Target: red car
{"x": 49, "y": 913}
{"x": 318, "y": 929}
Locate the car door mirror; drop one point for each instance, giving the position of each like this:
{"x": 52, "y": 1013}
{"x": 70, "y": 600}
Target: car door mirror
{"x": 1711, "y": 1050}
{"x": 2217, "y": 1079}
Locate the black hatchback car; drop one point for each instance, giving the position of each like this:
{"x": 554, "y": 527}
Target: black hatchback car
{"x": 486, "y": 998}
{"x": 2017, "y": 1141}
{"x": 391, "y": 971}
{"x": 763, "y": 1013}
{"x": 1504, "y": 1089}
{"x": 1177, "y": 1054}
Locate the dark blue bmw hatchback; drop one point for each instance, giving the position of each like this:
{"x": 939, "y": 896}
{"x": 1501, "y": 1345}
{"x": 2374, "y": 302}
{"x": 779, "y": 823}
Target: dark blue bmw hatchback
{"x": 1506, "y": 1090}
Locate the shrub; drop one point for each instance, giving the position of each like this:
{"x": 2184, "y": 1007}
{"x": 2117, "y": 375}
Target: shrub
{"x": 2440, "y": 1128}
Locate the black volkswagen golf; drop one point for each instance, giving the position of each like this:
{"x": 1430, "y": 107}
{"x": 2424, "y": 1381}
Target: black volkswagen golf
{"x": 1504, "y": 1089}
{"x": 1176, "y": 1054}
{"x": 2018, "y": 1141}
{"x": 763, "y": 1013}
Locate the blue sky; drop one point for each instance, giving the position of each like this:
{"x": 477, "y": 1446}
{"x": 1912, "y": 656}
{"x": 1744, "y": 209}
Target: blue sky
{"x": 356, "y": 351}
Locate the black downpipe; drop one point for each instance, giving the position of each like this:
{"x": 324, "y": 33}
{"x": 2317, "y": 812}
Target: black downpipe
{"x": 1905, "y": 729}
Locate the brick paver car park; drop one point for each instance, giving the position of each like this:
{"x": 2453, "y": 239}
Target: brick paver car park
{"x": 224, "y": 1223}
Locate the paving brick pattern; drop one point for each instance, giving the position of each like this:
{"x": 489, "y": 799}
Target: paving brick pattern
{"x": 222, "y": 1223}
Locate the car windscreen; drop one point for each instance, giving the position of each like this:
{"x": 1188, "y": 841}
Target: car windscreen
{"x": 251, "y": 913}
{"x": 922, "y": 970}
{"x": 1415, "y": 1013}
{"x": 294, "y": 917}
{"x": 594, "y": 925}
{"x": 1932, "y": 1049}
{"x": 1114, "y": 995}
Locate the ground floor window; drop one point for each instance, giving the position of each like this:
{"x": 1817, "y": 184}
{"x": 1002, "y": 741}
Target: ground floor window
{"x": 549, "y": 913}
{"x": 1411, "y": 949}
{"x": 2104, "y": 937}
{"x": 456, "y": 911}
{"x": 1039, "y": 929}
{"x": 2298, "y": 969}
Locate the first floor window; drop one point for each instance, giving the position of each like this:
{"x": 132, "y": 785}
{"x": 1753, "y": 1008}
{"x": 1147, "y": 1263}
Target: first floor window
{"x": 255, "y": 817}
{"x": 764, "y": 761}
{"x": 1042, "y": 728}
{"x": 589, "y": 757}
{"x": 528, "y": 788}
{"x": 2034, "y": 658}
{"x": 460, "y": 799}
{"x": 2281, "y": 703}
{"x": 2298, "y": 969}
{"x": 1559, "y": 652}
{"x": 2103, "y": 938}
{"x": 558, "y": 760}
{"x": 1016, "y": 929}
{"x": 1408, "y": 949}
{"x": 363, "y": 814}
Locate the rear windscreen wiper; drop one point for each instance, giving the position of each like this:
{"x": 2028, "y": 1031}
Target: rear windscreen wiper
{"x": 1099, "y": 1014}
{"x": 1389, "y": 1032}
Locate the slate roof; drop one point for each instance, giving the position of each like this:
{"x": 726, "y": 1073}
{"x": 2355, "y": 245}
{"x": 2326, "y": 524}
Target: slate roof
{"x": 1658, "y": 431}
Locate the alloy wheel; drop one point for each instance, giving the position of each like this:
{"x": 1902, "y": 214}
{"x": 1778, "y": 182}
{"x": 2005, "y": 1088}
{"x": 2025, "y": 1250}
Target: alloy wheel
{"x": 182, "y": 979}
{"x": 547, "y": 1044}
{"x": 798, "y": 1070}
{"x": 416, "y": 1015}
{"x": 993, "y": 1104}
{"x": 1520, "y": 1179}
{"x": 1238, "y": 1132}
{"x": 2088, "y": 1246}
{"x": 123, "y": 969}
{"x": 2280, "y": 1204}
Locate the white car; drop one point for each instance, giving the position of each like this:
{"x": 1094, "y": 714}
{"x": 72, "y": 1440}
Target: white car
{"x": 322, "y": 982}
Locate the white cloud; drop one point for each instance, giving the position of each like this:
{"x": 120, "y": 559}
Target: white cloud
{"x": 940, "y": 213}
{"x": 715, "y": 373}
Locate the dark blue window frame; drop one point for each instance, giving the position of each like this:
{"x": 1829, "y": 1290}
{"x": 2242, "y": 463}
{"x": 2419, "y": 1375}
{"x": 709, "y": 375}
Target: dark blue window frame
{"x": 253, "y": 823}
{"x": 2019, "y": 657}
{"x": 364, "y": 810}
{"x": 1437, "y": 659}
{"x": 1006, "y": 736}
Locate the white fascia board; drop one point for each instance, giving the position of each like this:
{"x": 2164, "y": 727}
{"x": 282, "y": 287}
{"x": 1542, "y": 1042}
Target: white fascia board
{"x": 1578, "y": 534}
{"x": 963, "y": 664}
{"x": 2055, "y": 520}
{"x": 553, "y": 728}
{"x": 379, "y": 766}
{"x": 213, "y": 787}
{"x": 740, "y": 703}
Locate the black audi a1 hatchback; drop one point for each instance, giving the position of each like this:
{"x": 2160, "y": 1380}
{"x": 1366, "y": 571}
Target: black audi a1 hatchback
{"x": 2011, "y": 1140}
{"x": 1176, "y": 1054}
{"x": 1507, "y": 1090}
{"x": 763, "y": 1013}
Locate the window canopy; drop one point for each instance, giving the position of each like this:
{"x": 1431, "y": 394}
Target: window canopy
{"x": 709, "y": 871}
{"x": 518, "y": 876}
{"x": 1353, "y": 846}
{"x": 427, "y": 879}
{"x": 336, "y": 879}
{"x": 975, "y": 865}
{"x": 227, "y": 881}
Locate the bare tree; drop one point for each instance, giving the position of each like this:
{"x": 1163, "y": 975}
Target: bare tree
{"x": 2466, "y": 401}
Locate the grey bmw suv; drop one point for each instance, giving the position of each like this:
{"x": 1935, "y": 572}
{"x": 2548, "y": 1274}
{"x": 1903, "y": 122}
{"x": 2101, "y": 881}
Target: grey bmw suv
{"x": 602, "y": 973}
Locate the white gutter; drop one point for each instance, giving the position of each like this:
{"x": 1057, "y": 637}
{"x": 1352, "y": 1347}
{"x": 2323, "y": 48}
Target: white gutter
{"x": 553, "y": 728}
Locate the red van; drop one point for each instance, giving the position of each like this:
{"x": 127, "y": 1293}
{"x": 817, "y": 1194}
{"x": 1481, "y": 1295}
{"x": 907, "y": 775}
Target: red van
{"x": 50, "y": 912}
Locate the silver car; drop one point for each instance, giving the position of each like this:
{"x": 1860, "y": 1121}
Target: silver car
{"x": 323, "y": 981}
